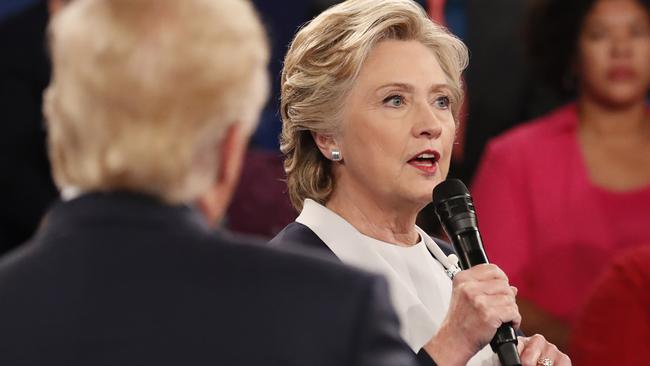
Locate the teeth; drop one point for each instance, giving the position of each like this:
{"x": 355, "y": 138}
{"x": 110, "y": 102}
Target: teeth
{"x": 426, "y": 156}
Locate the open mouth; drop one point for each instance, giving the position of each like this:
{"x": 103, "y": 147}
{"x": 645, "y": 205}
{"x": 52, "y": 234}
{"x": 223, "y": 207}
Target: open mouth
{"x": 426, "y": 161}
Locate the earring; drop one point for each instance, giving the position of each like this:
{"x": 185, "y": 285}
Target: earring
{"x": 336, "y": 155}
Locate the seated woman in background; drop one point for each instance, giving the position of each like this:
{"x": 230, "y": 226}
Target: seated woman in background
{"x": 370, "y": 98}
{"x": 559, "y": 196}
{"x": 613, "y": 327}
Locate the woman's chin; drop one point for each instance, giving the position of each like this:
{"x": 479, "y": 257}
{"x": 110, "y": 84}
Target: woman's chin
{"x": 621, "y": 96}
{"x": 422, "y": 198}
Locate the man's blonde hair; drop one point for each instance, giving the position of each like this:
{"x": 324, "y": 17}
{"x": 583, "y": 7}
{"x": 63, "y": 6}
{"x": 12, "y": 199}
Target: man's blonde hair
{"x": 322, "y": 65}
{"x": 142, "y": 91}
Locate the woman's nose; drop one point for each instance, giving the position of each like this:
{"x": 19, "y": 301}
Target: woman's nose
{"x": 428, "y": 123}
{"x": 621, "y": 45}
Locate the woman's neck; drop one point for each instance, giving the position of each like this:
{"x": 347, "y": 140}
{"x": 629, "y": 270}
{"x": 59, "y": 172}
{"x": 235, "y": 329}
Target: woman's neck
{"x": 613, "y": 123}
{"x": 615, "y": 145}
{"x": 381, "y": 221}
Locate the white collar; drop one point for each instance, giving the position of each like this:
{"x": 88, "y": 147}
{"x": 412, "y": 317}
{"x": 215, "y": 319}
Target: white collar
{"x": 68, "y": 193}
{"x": 340, "y": 236}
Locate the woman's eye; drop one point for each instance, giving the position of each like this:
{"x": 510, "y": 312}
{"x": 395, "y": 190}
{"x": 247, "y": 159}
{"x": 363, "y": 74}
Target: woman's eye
{"x": 596, "y": 34}
{"x": 639, "y": 31}
{"x": 394, "y": 101}
{"x": 442, "y": 102}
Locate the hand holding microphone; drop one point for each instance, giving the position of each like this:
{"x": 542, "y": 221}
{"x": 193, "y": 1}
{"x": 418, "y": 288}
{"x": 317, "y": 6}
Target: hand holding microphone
{"x": 483, "y": 291}
{"x": 483, "y": 307}
{"x": 481, "y": 301}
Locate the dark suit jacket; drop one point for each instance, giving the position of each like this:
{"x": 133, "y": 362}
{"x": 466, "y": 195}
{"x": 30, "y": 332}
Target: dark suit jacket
{"x": 121, "y": 279}
{"x": 297, "y": 234}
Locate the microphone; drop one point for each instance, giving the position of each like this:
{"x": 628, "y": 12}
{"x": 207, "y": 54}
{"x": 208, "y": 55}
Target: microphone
{"x": 455, "y": 208}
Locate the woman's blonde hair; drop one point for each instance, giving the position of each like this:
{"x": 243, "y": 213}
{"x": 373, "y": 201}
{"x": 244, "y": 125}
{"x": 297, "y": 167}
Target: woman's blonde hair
{"x": 321, "y": 67}
{"x": 142, "y": 91}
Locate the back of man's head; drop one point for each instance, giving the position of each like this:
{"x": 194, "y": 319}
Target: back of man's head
{"x": 143, "y": 90}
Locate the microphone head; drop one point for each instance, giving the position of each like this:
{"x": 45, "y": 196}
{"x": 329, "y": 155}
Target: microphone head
{"x": 447, "y": 189}
{"x": 455, "y": 209}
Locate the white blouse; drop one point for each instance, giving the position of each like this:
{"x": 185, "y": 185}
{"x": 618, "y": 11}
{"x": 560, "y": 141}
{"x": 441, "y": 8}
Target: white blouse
{"x": 420, "y": 288}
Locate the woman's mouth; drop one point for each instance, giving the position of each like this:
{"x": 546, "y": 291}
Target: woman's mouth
{"x": 621, "y": 73}
{"x": 426, "y": 161}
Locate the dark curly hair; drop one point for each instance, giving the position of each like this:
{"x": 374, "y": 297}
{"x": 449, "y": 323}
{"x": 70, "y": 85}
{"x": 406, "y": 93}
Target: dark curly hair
{"x": 552, "y": 31}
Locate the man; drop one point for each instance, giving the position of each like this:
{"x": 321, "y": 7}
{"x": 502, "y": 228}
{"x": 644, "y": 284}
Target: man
{"x": 149, "y": 111}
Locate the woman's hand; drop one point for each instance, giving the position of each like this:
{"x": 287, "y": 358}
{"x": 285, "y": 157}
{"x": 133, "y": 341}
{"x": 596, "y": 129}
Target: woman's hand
{"x": 481, "y": 300}
{"x": 536, "y": 350}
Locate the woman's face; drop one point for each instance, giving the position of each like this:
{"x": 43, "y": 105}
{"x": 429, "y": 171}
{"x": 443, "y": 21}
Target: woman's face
{"x": 398, "y": 128}
{"x": 614, "y": 52}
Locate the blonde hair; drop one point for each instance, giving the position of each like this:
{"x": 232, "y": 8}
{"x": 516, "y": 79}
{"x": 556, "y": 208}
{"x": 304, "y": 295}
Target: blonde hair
{"x": 321, "y": 67}
{"x": 142, "y": 91}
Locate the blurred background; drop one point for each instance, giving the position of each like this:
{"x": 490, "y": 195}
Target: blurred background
{"x": 524, "y": 64}
{"x": 501, "y": 92}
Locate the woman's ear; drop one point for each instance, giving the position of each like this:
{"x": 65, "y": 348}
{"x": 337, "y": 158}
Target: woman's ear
{"x": 327, "y": 145}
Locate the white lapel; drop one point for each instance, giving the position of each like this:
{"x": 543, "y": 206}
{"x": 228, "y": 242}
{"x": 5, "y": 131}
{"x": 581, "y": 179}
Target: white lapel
{"x": 352, "y": 247}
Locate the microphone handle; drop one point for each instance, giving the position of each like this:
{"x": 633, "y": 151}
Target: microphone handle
{"x": 469, "y": 247}
{"x": 504, "y": 344}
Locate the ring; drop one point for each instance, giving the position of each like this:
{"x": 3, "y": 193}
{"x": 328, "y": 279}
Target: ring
{"x": 545, "y": 361}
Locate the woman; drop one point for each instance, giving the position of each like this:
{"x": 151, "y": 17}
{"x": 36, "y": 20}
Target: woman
{"x": 370, "y": 95}
{"x": 574, "y": 185}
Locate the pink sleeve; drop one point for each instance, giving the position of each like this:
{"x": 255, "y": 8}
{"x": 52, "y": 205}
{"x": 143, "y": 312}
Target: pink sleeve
{"x": 502, "y": 207}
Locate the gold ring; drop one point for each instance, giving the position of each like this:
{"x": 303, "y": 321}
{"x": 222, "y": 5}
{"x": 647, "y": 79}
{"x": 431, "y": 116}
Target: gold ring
{"x": 545, "y": 361}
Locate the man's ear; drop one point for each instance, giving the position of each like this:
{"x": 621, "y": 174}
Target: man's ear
{"x": 230, "y": 154}
{"x": 54, "y": 6}
{"x": 326, "y": 143}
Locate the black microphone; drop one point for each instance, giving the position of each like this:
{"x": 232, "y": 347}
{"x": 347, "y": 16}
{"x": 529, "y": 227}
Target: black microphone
{"x": 454, "y": 207}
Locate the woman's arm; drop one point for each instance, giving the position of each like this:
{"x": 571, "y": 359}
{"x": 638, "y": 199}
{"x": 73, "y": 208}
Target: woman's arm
{"x": 501, "y": 197}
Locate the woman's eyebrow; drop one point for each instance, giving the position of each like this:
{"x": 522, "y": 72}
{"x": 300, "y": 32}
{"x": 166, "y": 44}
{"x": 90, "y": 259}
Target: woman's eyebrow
{"x": 404, "y": 86}
{"x": 410, "y": 88}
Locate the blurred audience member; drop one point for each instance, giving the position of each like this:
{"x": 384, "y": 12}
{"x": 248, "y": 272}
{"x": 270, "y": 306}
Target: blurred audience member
{"x": 149, "y": 110}
{"x": 9, "y": 8}
{"x": 613, "y": 327}
{"x": 261, "y": 205}
{"x": 500, "y": 87}
{"x": 502, "y": 91}
{"x": 26, "y": 182}
{"x": 559, "y": 196}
